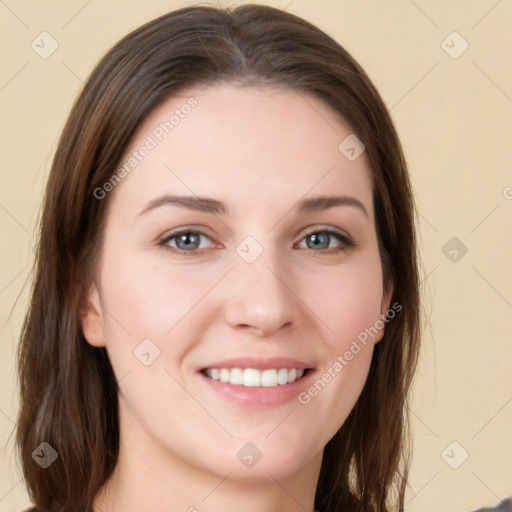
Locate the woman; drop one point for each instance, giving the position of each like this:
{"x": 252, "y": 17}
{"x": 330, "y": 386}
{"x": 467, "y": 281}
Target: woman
{"x": 227, "y": 288}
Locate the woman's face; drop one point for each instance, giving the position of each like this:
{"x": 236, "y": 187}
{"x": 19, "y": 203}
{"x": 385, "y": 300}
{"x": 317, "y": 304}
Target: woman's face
{"x": 240, "y": 253}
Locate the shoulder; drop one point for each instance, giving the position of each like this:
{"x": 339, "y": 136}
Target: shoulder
{"x": 503, "y": 506}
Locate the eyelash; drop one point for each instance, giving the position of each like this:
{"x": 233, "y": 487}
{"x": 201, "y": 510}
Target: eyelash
{"x": 346, "y": 242}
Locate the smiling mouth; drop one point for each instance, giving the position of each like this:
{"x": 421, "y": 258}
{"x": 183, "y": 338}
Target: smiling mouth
{"x": 252, "y": 377}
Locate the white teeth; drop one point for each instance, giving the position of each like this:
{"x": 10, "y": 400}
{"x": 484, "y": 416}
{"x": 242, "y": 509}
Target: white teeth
{"x": 269, "y": 378}
{"x": 282, "y": 376}
{"x": 236, "y": 376}
{"x": 251, "y": 377}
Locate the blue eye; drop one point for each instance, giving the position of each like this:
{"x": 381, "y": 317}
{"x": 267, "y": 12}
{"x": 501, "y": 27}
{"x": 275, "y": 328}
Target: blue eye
{"x": 321, "y": 240}
{"x": 188, "y": 242}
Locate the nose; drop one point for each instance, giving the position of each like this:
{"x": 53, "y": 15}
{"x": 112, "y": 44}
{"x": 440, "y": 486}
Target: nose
{"x": 260, "y": 298}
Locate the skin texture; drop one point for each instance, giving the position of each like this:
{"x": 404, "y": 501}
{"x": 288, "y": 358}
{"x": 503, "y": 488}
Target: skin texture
{"x": 259, "y": 150}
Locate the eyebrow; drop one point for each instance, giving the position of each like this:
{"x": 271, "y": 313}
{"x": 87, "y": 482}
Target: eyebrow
{"x": 213, "y": 206}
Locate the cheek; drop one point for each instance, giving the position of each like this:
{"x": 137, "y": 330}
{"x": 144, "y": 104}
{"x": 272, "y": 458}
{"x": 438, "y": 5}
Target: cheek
{"x": 349, "y": 304}
{"x": 348, "y": 299}
{"x": 144, "y": 301}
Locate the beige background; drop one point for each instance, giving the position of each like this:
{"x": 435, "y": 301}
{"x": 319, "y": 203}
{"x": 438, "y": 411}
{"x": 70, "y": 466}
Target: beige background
{"x": 454, "y": 118}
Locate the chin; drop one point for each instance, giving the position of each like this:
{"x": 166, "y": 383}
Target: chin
{"x": 263, "y": 460}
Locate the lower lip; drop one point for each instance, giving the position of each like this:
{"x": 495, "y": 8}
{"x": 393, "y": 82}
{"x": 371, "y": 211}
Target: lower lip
{"x": 260, "y": 396}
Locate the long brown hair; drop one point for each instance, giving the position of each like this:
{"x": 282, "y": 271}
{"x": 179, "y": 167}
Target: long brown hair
{"x": 68, "y": 389}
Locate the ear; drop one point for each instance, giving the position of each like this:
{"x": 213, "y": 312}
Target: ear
{"x": 386, "y": 299}
{"x": 91, "y": 316}
{"x": 384, "y": 308}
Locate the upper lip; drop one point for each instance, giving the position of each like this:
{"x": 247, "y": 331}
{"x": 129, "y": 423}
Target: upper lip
{"x": 259, "y": 363}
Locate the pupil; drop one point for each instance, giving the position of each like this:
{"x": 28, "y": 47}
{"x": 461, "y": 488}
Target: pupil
{"x": 317, "y": 240}
{"x": 187, "y": 240}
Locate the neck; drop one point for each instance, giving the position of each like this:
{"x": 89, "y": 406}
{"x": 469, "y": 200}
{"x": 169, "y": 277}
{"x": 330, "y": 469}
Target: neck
{"x": 149, "y": 477}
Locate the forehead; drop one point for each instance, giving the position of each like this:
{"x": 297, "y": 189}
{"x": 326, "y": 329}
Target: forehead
{"x": 241, "y": 144}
